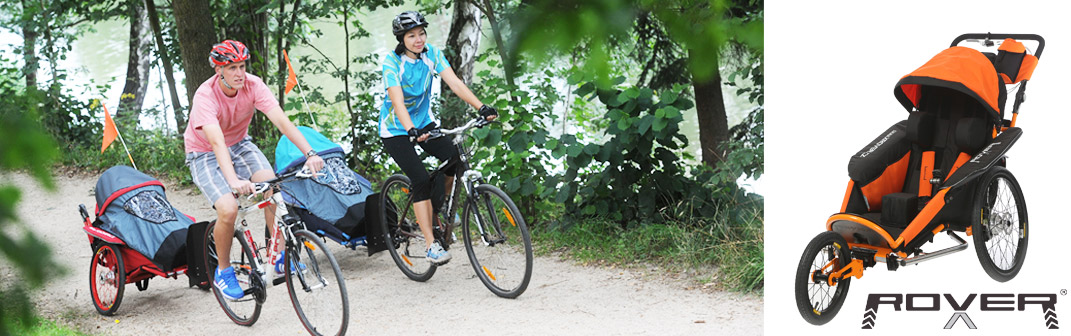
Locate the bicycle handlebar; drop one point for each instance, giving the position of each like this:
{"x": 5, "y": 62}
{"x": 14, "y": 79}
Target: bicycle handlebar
{"x": 439, "y": 132}
{"x": 261, "y": 187}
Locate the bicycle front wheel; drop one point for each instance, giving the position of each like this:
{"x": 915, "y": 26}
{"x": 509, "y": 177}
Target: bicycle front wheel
{"x": 497, "y": 242}
{"x": 404, "y": 240}
{"x": 244, "y": 311}
{"x": 316, "y": 286}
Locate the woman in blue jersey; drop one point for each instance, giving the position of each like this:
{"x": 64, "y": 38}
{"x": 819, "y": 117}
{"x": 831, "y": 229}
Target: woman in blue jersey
{"x": 406, "y": 116}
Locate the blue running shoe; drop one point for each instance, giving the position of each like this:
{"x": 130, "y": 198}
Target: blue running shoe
{"x": 227, "y": 284}
{"x": 279, "y": 267}
{"x": 437, "y": 255}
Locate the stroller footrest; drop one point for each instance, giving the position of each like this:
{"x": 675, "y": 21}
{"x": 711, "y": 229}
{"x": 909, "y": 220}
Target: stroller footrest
{"x": 898, "y": 209}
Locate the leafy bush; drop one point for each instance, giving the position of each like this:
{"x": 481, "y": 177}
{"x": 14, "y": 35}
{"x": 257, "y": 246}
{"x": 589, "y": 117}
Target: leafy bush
{"x": 24, "y": 144}
{"x": 638, "y": 174}
{"x": 515, "y": 148}
{"x": 156, "y": 152}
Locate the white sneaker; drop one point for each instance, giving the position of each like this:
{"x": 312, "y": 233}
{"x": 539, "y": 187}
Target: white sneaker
{"x": 437, "y": 255}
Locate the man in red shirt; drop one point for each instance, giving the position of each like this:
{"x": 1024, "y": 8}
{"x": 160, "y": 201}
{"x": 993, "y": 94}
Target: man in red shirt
{"x": 221, "y": 156}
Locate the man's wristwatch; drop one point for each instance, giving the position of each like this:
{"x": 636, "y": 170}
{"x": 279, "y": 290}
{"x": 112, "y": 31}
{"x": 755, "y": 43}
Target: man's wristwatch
{"x": 310, "y": 153}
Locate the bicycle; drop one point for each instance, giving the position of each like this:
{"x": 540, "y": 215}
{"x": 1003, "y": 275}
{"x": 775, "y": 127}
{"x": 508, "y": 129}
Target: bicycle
{"x": 498, "y": 246}
{"x": 317, "y": 275}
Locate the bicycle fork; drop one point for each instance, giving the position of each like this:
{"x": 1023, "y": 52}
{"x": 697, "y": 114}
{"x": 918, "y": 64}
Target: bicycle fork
{"x": 472, "y": 178}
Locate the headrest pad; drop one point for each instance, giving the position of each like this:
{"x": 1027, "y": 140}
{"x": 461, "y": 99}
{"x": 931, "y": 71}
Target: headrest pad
{"x": 971, "y": 134}
{"x": 921, "y": 127}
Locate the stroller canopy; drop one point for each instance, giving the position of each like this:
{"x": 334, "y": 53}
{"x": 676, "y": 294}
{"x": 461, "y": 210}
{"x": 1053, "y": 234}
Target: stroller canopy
{"x": 288, "y": 156}
{"x": 337, "y": 198}
{"x": 961, "y": 69}
{"x": 133, "y": 207}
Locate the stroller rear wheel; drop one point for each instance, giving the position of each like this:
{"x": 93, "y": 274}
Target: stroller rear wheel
{"x": 107, "y": 278}
{"x": 817, "y": 300}
{"x": 999, "y": 224}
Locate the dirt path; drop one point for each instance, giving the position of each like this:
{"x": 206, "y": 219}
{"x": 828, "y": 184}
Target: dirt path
{"x": 563, "y": 298}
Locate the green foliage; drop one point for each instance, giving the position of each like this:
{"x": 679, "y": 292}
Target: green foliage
{"x": 697, "y": 244}
{"x": 746, "y": 147}
{"x": 28, "y": 325}
{"x": 23, "y": 145}
{"x": 703, "y": 26}
{"x": 516, "y": 148}
{"x": 638, "y": 173}
{"x": 156, "y": 152}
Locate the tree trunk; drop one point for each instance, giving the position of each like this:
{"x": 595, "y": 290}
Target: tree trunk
{"x": 176, "y": 104}
{"x": 29, "y": 54}
{"x": 508, "y": 63}
{"x": 137, "y": 67}
{"x": 464, "y": 39}
{"x": 252, "y": 30}
{"x": 710, "y": 109}
{"x": 282, "y": 72}
{"x": 460, "y": 50}
{"x": 284, "y": 34}
{"x": 197, "y": 34}
{"x": 355, "y": 119}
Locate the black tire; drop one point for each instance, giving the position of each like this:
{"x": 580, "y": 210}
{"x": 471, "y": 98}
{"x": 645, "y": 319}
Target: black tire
{"x": 319, "y": 291}
{"x": 502, "y": 255}
{"x": 404, "y": 240}
{"x": 107, "y": 279}
{"x": 999, "y": 224}
{"x": 826, "y": 253}
{"x": 244, "y": 311}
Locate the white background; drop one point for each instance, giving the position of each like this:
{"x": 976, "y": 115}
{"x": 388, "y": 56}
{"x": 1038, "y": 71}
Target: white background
{"x": 831, "y": 68}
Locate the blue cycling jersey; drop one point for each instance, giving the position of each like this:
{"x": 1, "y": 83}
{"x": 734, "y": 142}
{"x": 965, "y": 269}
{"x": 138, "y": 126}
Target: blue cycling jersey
{"x": 415, "y": 78}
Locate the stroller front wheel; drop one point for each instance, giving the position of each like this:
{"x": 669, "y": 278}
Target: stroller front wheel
{"x": 999, "y": 224}
{"x": 817, "y": 300}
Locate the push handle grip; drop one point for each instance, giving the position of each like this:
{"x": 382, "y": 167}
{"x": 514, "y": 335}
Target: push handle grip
{"x": 85, "y": 213}
{"x": 991, "y": 36}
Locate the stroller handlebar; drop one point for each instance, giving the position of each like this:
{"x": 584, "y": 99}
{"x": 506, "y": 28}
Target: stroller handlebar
{"x": 991, "y": 36}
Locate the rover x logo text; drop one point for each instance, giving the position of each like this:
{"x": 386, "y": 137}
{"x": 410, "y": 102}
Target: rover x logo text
{"x": 989, "y": 302}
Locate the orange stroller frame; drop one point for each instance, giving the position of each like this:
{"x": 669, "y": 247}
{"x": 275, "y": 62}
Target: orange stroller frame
{"x": 941, "y": 170}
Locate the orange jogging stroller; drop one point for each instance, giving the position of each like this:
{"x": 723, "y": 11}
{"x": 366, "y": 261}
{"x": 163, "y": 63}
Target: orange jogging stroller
{"x": 943, "y": 170}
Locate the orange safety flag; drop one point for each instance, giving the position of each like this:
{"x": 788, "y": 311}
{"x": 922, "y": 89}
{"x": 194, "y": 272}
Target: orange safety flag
{"x": 110, "y": 132}
{"x": 291, "y": 79}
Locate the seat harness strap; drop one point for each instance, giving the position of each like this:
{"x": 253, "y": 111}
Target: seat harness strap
{"x": 926, "y": 174}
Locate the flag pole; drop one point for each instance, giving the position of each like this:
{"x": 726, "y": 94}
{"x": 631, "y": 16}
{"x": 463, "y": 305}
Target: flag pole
{"x": 307, "y": 109}
{"x": 293, "y": 73}
{"x": 108, "y": 122}
{"x": 126, "y": 149}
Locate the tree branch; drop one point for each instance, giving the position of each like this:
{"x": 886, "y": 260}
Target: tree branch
{"x": 328, "y": 59}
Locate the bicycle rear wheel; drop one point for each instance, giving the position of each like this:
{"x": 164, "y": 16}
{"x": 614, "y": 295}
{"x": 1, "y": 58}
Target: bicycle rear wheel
{"x": 497, "y": 242}
{"x": 404, "y": 240}
{"x": 316, "y": 286}
{"x": 244, "y": 311}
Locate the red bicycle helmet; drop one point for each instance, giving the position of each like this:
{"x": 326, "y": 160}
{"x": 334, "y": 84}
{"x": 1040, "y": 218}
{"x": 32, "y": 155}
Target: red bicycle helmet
{"x": 228, "y": 52}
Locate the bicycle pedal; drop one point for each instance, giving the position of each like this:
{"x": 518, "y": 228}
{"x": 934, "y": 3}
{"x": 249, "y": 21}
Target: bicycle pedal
{"x": 278, "y": 281}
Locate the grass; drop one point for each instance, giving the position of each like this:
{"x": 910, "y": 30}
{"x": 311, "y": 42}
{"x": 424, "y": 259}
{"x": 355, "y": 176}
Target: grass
{"x": 733, "y": 247}
{"x": 14, "y": 322}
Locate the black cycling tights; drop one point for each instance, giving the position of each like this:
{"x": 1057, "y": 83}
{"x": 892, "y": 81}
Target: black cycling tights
{"x": 404, "y": 154}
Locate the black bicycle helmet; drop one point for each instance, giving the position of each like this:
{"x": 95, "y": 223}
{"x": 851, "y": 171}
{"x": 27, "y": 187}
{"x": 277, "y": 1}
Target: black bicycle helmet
{"x": 405, "y": 21}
